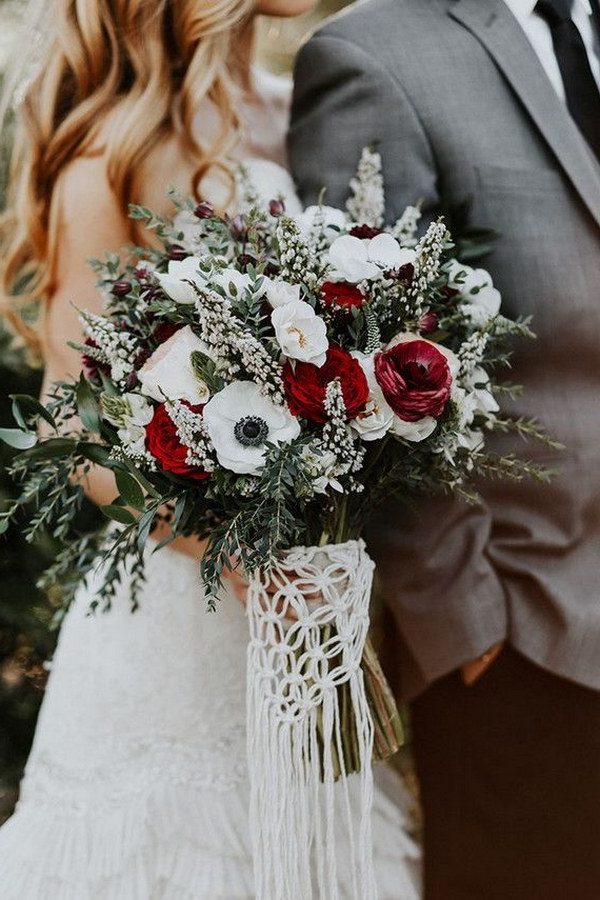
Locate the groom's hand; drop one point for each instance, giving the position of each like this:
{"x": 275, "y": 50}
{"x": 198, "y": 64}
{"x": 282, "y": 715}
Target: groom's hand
{"x": 472, "y": 671}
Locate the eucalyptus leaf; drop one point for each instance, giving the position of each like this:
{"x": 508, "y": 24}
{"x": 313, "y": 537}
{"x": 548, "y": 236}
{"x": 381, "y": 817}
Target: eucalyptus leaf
{"x": 26, "y": 405}
{"x": 129, "y": 489}
{"x": 55, "y": 448}
{"x": 118, "y": 514}
{"x": 87, "y": 406}
{"x": 17, "y": 438}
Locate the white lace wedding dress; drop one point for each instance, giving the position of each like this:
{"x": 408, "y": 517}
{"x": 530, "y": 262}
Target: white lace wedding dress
{"x": 136, "y": 787}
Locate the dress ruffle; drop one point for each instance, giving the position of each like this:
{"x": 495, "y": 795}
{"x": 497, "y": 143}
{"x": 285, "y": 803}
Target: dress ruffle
{"x": 172, "y": 844}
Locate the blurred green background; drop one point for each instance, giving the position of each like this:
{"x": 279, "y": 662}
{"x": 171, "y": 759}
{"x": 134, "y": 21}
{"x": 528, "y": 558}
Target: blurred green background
{"x": 26, "y": 639}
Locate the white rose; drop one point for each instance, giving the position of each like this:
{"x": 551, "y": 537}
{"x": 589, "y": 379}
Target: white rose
{"x": 175, "y": 282}
{"x": 333, "y": 221}
{"x": 378, "y": 416}
{"x": 300, "y": 332}
{"x": 280, "y": 292}
{"x": 240, "y": 421}
{"x": 169, "y": 372}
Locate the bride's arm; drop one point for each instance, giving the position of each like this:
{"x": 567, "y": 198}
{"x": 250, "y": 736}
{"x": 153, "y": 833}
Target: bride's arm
{"x": 88, "y": 223}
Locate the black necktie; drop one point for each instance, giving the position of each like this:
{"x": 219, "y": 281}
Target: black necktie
{"x": 583, "y": 96}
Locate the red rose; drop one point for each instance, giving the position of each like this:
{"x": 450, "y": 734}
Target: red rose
{"x": 166, "y": 448}
{"x": 305, "y": 385}
{"x": 341, "y": 294}
{"x": 415, "y": 379}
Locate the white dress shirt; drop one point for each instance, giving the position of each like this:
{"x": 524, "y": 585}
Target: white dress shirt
{"x": 540, "y": 37}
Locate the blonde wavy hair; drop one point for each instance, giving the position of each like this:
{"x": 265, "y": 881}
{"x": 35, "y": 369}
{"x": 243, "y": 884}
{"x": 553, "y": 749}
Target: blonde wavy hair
{"x": 154, "y": 61}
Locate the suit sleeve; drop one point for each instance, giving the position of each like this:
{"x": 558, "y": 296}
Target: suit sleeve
{"x": 343, "y": 102}
{"x": 447, "y": 598}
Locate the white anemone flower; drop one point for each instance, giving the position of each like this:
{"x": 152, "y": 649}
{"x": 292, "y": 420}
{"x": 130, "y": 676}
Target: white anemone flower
{"x": 240, "y": 421}
{"x": 300, "y": 332}
{"x": 354, "y": 260}
{"x": 169, "y": 373}
{"x": 175, "y": 282}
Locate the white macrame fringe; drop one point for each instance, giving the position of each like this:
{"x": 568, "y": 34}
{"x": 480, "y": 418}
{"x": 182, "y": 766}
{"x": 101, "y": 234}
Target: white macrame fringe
{"x": 294, "y": 724}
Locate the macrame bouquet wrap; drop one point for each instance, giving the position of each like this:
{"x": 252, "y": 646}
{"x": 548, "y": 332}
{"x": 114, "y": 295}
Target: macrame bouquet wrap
{"x": 309, "y": 620}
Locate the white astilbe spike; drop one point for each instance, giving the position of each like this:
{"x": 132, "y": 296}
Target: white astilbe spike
{"x": 405, "y": 229}
{"x": 366, "y": 204}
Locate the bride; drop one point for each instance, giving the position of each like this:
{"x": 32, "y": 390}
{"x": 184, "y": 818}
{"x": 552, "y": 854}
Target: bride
{"x": 136, "y": 787}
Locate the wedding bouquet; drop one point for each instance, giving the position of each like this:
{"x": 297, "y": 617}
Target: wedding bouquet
{"x": 266, "y": 381}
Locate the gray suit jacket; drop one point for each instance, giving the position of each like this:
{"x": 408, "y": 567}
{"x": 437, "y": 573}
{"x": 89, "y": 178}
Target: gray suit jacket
{"x": 461, "y": 106}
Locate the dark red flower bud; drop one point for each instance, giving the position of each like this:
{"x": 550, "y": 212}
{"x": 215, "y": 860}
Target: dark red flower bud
{"x": 271, "y": 270}
{"x": 276, "y": 208}
{"x": 178, "y": 253}
{"x": 205, "y": 210}
{"x": 450, "y": 291}
{"x": 132, "y": 379}
{"x": 238, "y": 227}
{"x": 365, "y": 232}
{"x": 121, "y": 288}
{"x": 428, "y": 322}
{"x": 244, "y": 260}
{"x": 405, "y": 273}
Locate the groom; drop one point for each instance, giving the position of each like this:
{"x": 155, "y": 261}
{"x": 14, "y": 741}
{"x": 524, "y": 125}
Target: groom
{"x": 497, "y": 605}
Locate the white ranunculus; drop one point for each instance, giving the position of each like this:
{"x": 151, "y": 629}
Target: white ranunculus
{"x": 175, "y": 281}
{"x": 240, "y": 421}
{"x": 387, "y": 252}
{"x": 169, "y": 372}
{"x": 280, "y": 292}
{"x": 413, "y": 431}
{"x": 300, "y": 332}
{"x": 333, "y": 220}
{"x": 378, "y": 416}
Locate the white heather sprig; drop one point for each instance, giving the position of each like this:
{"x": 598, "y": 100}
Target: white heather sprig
{"x": 117, "y": 345}
{"x": 405, "y": 229}
{"x": 367, "y": 203}
{"x": 192, "y": 433}
{"x": 135, "y": 451}
{"x": 472, "y": 352}
{"x": 235, "y": 348}
{"x": 298, "y": 264}
{"x": 337, "y": 437}
{"x": 427, "y": 265}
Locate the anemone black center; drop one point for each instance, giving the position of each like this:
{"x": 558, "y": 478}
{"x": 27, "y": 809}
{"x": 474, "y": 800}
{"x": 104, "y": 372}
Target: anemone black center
{"x": 251, "y": 431}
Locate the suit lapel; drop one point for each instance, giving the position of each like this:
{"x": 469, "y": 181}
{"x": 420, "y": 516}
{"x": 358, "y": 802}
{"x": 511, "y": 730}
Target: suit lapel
{"x": 494, "y": 26}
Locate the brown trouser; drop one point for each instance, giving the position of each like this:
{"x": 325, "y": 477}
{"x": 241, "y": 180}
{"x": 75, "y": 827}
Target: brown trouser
{"x": 510, "y": 778}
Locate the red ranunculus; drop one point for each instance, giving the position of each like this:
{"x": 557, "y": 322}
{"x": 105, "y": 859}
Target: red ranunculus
{"x": 305, "y": 385}
{"x": 365, "y": 232}
{"x": 415, "y": 379}
{"x": 339, "y": 293}
{"x": 166, "y": 448}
